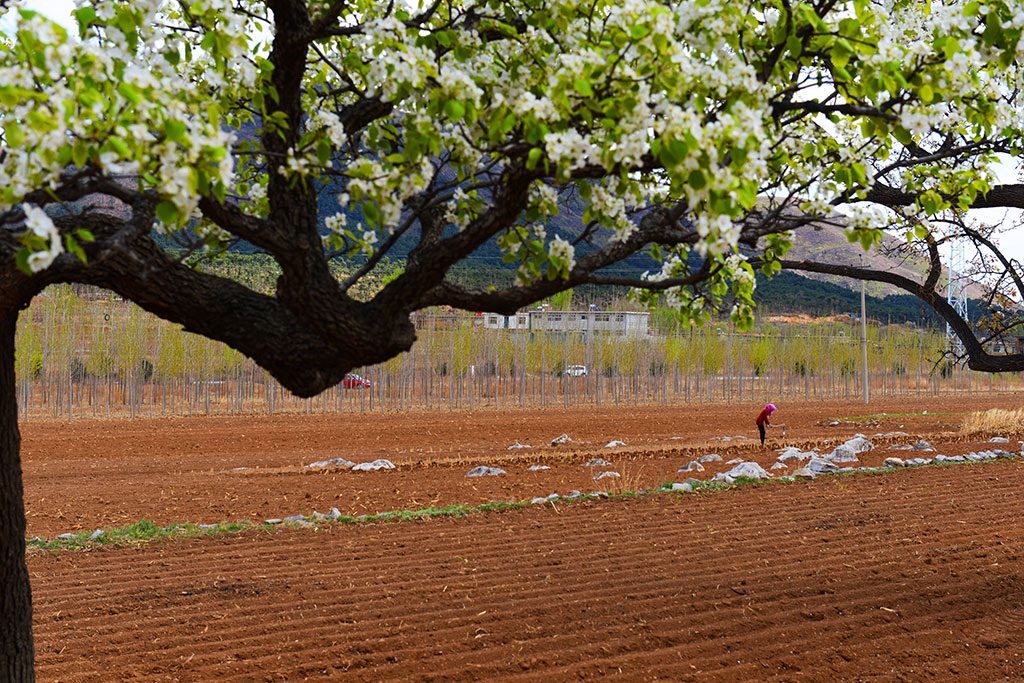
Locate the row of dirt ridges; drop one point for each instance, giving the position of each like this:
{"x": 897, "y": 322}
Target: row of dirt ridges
{"x": 912, "y": 575}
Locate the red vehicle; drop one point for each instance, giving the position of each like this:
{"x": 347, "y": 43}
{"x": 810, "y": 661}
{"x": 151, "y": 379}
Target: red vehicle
{"x": 354, "y": 381}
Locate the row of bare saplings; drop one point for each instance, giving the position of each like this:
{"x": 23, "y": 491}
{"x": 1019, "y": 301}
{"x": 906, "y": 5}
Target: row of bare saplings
{"x": 80, "y": 356}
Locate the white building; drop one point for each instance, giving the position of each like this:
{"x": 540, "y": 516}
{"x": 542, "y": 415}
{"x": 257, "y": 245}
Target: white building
{"x": 582, "y": 323}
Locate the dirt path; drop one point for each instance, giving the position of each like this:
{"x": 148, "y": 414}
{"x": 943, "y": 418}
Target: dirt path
{"x": 910, "y": 576}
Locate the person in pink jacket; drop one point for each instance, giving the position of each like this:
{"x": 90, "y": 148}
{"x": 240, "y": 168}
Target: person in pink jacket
{"x": 762, "y": 420}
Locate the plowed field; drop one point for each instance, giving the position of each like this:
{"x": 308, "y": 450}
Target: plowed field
{"x": 912, "y": 575}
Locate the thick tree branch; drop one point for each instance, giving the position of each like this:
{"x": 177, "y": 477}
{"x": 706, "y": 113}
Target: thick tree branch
{"x": 999, "y": 196}
{"x": 1009, "y": 268}
{"x": 977, "y": 357}
{"x": 263, "y": 327}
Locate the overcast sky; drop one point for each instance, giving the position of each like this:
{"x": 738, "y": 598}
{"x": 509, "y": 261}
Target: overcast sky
{"x": 1011, "y": 243}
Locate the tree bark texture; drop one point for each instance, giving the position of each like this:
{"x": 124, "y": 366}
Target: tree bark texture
{"x": 17, "y": 653}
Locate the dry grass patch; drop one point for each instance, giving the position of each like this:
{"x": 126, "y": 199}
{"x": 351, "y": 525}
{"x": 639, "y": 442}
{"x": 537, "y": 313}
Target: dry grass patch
{"x": 995, "y": 420}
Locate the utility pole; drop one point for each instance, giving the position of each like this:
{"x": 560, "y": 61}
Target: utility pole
{"x": 956, "y": 293}
{"x": 864, "y": 337}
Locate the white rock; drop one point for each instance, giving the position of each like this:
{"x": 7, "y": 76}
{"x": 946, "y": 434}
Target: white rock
{"x": 779, "y": 466}
{"x": 564, "y": 438}
{"x": 597, "y": 462}
{"x": 893, "y": 462}
{"x": 999, "y": 439}
{"x": 922, "y": 445}
{"x": 380, "y": 464}
{"x": 734, "y": 461}
{"x": 536, "y": 468}
{"x": 685, "y": 488}
{"x": 602, "y": 475}
{"x": 485, "y": 471}
{"x": 335, "y": 462}
{"x": 843, "y": 453}
{"x": 793, "y": 453}
{"x": 710, "y": 457}
{"x": 750, "y": 470}
{"x": 821, "y": 466}
{"x": 692, "y": 467}
{"x": 859, "y": 444}
{"x": 804, "y": 473}
{"x": 614, "y": 444}
{"x": 518, "y": 445}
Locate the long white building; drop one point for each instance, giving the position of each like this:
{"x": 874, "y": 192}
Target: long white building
{"x": 583, "y": 323}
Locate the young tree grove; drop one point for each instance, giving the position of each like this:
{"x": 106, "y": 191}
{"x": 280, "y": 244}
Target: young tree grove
{"x": 704, "y": 132}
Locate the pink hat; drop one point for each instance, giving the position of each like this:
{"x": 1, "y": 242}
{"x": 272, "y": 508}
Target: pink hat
{"x": 770, "y": 407}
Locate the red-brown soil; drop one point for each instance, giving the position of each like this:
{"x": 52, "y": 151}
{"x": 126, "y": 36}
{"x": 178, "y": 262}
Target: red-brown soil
{"x": 913, "y": 575}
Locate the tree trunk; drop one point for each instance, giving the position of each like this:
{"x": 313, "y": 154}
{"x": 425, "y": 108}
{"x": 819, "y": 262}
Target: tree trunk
{"x": 16, "y": 649}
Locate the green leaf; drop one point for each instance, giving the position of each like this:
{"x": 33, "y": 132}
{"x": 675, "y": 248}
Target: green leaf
{"x": 85, "y": 16}
{"x": 14, "y": 135}
{"x": 323, "y": 151}
{"x": 175, "y": 130}
{"x": 582, "y": 86}
{"x": 639, "y": 31}
{"x": 903, "y": 135}
{"x": 129, "y": 92}
{"x": 21, "y": 260}
{"x": 370, "y": 213}
{"x": 167, "y": 212}
{"x": 696, "y": 179}
{"x": 533, "y": 157}
{"x": 867, "y": 238}
{"x": 79, "y": 154}
{"x": 72, "y": 246}
{"x": 119, "y": 146}
{"x": 841, "y": 52}
{"x": 454, "y": 109}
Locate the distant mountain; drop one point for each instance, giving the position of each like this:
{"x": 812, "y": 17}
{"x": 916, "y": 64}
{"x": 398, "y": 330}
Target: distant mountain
{"x": 828, "y": 244}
